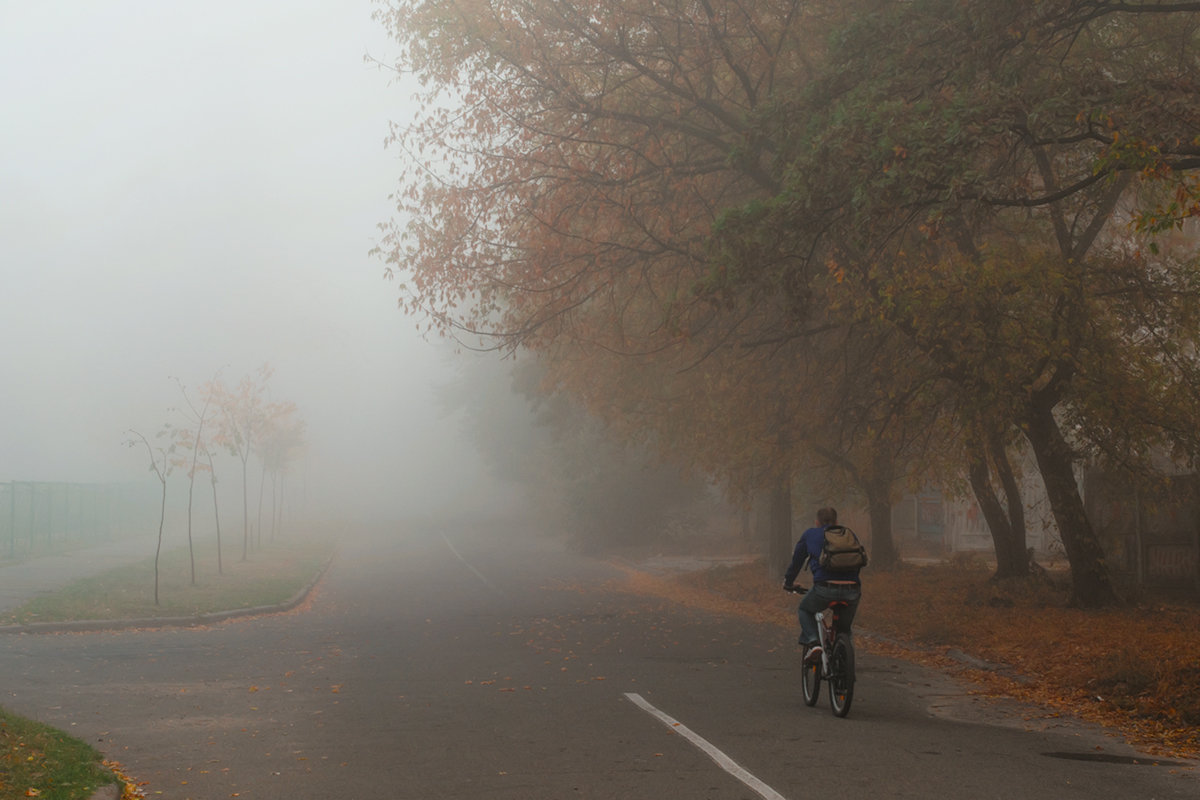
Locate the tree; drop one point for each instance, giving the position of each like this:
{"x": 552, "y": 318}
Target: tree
{"x": 955, "y": 173}
{"x": 281, "y": 437}
{"x": 677, "y": 181}
{"x": 212, "y": 476}
{"x": 577, "y": 471}
{"x": 241, "y": 413}
{"x": 988, "y": 463}
{"x": 591, "y": 150}
{"x": 193, "y": 438}
{"x": 160, "y": 465}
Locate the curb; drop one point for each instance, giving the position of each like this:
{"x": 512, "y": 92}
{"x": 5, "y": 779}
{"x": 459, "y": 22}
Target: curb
{"x": 193, "y": 621}
{"x": 113, "y": 791}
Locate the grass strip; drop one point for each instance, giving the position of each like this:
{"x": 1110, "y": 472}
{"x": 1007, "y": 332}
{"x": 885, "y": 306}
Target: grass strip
{"x": 270, "y": 575}
{"x": 37, "y": 760}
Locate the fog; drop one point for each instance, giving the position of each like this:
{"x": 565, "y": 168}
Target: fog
{"x": 191, "y": 188}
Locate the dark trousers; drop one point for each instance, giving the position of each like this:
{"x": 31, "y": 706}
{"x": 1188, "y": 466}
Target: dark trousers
{"x": 818, "y": 598}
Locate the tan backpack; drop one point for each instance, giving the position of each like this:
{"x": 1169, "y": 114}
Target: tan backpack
{"x": 842, "y": 551}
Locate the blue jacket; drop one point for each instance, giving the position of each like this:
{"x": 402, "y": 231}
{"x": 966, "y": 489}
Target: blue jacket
{"x": 809, "y": 549}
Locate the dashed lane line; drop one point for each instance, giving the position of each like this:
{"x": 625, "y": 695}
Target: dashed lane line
{"x": 468, "y": 565}
{"x": 723, "y": 761}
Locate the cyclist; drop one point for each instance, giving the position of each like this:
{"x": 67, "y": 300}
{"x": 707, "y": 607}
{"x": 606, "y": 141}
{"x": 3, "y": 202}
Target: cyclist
{"x": 827, "y": 586}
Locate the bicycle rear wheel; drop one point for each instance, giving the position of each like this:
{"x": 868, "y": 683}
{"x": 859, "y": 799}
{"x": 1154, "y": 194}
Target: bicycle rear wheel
{"x": 841, "y": 676}
{"x": 810, "y": 678}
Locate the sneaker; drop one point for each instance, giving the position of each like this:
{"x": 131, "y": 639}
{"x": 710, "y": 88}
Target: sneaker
{"x": 813, "y": 655}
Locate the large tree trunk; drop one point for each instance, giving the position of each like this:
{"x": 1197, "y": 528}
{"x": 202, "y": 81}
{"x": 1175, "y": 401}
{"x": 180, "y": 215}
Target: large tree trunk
{"x": 1019, "y": 541}
{"x": 879, "y": 507}
{"x": 1092, "y": 586}
{"x": 1006, "y": 526}
{"x": 1008, "y": 562}
{"x": 779, "y": 527}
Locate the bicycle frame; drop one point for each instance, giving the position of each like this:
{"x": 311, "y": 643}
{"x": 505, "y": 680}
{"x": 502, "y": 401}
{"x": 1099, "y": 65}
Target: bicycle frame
{"x": 836, "y": 665}
{"x": 827, "y": 633}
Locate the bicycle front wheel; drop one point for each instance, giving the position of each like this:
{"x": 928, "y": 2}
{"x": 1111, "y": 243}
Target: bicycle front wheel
{"x": 810, "y": 678}
{"x": 841, "y": 676}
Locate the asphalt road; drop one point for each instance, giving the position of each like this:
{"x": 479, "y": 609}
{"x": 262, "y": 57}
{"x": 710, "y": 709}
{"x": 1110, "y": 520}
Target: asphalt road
{"x": 461, "y": 663}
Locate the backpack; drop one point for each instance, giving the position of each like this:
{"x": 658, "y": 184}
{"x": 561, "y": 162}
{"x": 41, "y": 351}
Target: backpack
{"x": 842, "y": 552}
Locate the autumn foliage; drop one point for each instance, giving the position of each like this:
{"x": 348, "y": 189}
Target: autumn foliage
{"x": 238, "y": 421}
{"x": 839, "y": 249}
{"x": 1133, "y": 669}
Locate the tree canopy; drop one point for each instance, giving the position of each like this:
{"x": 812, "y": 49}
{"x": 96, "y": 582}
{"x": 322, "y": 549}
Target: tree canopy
{"x": 890, "y": 238}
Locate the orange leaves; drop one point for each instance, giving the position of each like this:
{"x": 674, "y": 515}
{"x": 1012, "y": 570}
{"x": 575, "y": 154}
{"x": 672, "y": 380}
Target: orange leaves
{"x": 578, "y": 159}
{"x": 505, "y": 686}
{"x": 1108, "y": 666}
{"x": 130, "y": 789}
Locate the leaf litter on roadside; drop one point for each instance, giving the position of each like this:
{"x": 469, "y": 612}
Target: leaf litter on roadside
{"x": 1134, "y": 669}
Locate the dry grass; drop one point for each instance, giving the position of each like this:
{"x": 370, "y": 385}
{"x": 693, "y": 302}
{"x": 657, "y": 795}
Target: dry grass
{"x": 1135, "y": 669}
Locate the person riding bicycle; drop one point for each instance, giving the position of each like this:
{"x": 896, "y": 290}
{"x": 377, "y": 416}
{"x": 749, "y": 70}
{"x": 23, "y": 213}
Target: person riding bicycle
{"x": 827, "y": 585}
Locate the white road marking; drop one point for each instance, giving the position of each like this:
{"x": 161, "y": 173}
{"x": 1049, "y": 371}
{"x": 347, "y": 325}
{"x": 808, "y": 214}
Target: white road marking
{"x": 468, "y": 565}
{"x": 723, "y": 761}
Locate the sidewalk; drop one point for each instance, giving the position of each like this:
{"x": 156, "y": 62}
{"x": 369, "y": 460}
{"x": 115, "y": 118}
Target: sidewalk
{"x": 25, "y": 580}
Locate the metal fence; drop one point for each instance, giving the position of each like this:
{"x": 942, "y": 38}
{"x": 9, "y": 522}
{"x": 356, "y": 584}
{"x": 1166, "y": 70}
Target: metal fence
{"x": 43, "y": 516}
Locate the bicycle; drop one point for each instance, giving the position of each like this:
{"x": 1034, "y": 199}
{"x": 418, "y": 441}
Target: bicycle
{"x": 836, "y": 665}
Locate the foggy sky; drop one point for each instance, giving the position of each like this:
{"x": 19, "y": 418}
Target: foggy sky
{"x": 186, "y": 187}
